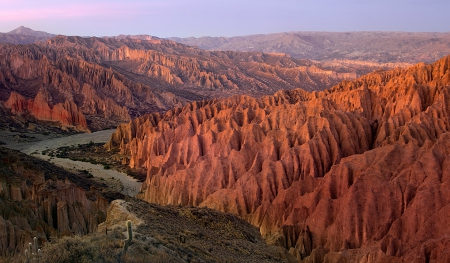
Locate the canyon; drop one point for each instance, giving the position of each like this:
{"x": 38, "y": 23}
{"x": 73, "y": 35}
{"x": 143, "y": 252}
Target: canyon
{"x": 110, "y": 80}
{"x": 333, "y": 145}
{"x": 357, "y": 172}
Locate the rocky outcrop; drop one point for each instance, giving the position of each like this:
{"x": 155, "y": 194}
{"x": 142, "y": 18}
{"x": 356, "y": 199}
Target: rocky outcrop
{"x": 188, "y": 234}
{"x": 66, "y": 114}
{"x": 339, "y": 175}
{"x": 44, "y": 201}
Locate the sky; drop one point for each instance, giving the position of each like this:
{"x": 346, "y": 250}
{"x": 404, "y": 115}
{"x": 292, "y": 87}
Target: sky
{"x": 197, "y": 18}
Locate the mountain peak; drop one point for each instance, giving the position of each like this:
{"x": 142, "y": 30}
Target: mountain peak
{"x": 30, "y": 32}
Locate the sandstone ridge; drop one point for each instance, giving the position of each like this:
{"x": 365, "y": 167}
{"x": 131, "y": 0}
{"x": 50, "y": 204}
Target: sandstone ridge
{"x": 357, "y": 172}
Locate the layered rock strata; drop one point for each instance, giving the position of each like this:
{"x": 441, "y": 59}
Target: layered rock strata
{"x": 357, "y": 172}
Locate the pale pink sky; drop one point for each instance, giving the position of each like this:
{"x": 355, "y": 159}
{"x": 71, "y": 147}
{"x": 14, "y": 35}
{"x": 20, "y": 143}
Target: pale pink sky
{"x": 197, "y": 18}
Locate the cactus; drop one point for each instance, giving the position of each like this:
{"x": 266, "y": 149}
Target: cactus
{"x": 35, "y": 248}
{"x": 126, "y": 242}
{"x": 32, "y": 252}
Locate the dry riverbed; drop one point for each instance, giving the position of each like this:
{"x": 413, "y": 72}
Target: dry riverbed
{"x": 36, "y": 144}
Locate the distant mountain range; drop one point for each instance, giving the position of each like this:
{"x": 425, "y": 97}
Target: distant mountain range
{"x": 30, "y": 32}
{"x": 350, "y": 48}
{"x": 367, "y": 46}
{"x": 24, "y": 35}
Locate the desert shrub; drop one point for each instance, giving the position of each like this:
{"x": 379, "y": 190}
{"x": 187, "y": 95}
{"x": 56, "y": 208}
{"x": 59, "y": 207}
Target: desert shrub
{"x": 71, "y": 249}
{"x": 102, "y": 249}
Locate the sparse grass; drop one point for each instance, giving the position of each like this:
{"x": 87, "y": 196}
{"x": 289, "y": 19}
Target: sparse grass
{"x": 101, "y": 248}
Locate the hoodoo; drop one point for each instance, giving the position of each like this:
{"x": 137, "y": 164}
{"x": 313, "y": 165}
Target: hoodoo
{"x": 66, "y": 114}
{"x": 356, "y": 172}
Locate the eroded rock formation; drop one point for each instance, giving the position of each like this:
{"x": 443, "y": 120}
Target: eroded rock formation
{"x": 119, "y": 78}
{"x": 354, "y": 173}
{"x": 40, "y": 200}
{"x": 67, "y": 114}
{"x": 102, "y": 95}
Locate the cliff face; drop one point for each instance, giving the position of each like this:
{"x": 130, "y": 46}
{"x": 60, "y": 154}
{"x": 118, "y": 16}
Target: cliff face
{"x": 41, "y": 200}
{"x": 66, "y": 114}
{"x": 356, "y": 172}
{"x": 74, "y": 87}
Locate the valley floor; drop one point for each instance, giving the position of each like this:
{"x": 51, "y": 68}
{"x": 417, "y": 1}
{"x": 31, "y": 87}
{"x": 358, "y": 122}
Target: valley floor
{"x": 35, "y": 144}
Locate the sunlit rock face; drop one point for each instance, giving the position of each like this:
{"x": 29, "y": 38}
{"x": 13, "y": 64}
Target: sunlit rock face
{"x": 356, "y": 172}
{"x": 65, "y": 114}
{"x": 111, "y": 80}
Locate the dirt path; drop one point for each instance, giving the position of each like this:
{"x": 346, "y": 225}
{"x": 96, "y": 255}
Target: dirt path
{"x": 130, "y": 186}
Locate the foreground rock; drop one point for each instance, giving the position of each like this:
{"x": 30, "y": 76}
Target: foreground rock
{"x": 41, "y": 200}
{"x": 357, "y": 172}
{"x": 189, "y": 234}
